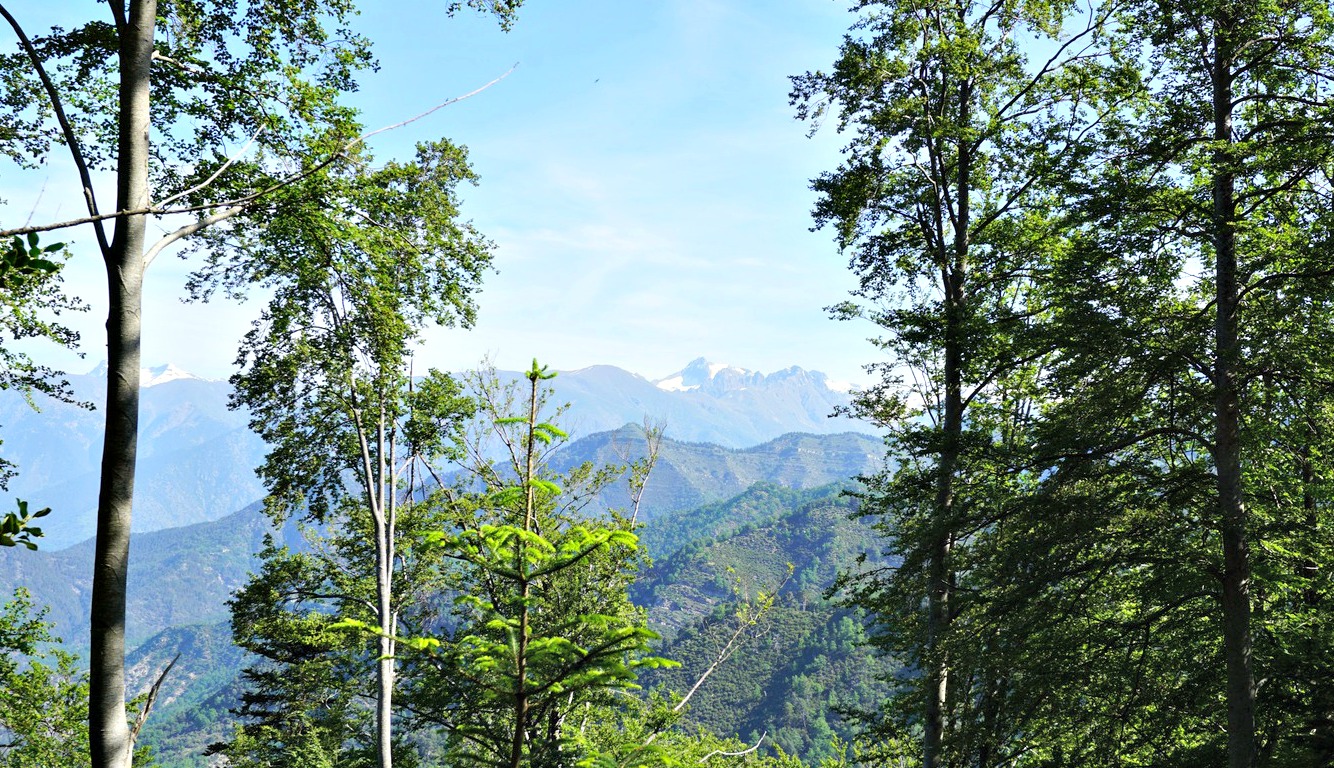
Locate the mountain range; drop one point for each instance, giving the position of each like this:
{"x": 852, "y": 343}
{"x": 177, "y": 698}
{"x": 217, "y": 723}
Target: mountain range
{"x": 185, "y": 575}
{"x": 197, "y": 456}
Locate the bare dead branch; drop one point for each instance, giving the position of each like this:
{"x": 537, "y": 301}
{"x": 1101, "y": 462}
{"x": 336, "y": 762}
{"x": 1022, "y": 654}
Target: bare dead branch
{"x": 152, "y": 698}
{"x": 71, "y": 140}
{"x": 747, "y": 751}
{"x": 243, "y": 201}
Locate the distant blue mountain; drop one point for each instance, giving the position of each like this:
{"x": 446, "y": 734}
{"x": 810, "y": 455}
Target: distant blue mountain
{"x": 197, "y": 457}
{"x": 707, "y": 403}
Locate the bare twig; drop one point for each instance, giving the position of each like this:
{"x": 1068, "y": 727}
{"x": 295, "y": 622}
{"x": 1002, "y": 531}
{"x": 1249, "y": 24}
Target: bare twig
{"x": 152, "y": 698}
{"x": 437, "y": 107}
{"x": 746, "y": 619}
{"x": 639, "y": 475}
{"x": 216, "y": 173}
{"x": 737, "y": 754}
{"x": 241, "y": 202}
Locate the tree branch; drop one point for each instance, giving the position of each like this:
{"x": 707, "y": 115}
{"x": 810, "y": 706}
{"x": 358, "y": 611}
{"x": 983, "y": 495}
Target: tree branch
{"x": 216, "y": 173}
{"x": 243, "y": 201}
{"x": 190, "y": 229}
{"x": 152, "y": 698}
{"x": 70, "y": 139}
{"x": 736, "y": 754}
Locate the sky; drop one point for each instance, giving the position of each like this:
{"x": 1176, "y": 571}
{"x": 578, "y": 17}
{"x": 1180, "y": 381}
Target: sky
{"x": 643, "y": 178}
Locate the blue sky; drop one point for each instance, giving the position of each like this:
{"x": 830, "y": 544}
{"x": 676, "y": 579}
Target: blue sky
{"x": 643, "y": 179}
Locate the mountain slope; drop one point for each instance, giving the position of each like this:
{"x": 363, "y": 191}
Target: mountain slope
{"x": 185, "y": 575}
{"x": 689, "y": 475}
{"x": 192, "y": 709}
{"x": 196, "y": 458}
{"x": 806, "y": 656}
{"x": 179, "y": 576}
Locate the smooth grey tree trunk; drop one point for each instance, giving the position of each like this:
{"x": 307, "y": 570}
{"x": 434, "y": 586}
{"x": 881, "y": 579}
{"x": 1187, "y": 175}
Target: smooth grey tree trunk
{"x": 109, "y": 735}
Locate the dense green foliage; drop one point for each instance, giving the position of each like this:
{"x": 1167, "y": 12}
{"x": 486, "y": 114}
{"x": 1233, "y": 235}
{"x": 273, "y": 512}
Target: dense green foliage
{"x": 804, "y": 670}
{"x": 1094, "y": 239}
{"x": 159, "y": 94}
{"x": 43, "y": 709}
{"x": 30, "y": 304}
{"x": 807, "y": 651}
{"x": 1097, "y": 240}
{"x": 541, "y": 626}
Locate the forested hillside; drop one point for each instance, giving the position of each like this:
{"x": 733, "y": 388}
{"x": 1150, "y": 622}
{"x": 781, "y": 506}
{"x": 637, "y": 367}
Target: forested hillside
{"x": 801, "y": 655}
{"x": 805, "y": 663}
{"x": 184, "y": 576}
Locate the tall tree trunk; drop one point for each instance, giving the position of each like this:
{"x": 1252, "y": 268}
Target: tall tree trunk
{"x": 1236, "y": 598}
{"x": 377, "y": 487}
{"x": 939, "y": 573}
{"x": 385, "y": 672}
{"x": 109, "y": 737}
{"x": 384, "y": 668}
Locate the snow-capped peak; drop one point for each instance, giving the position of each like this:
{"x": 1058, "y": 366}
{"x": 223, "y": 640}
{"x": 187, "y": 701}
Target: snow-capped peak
{"x": 720, "y": 378}
{"x": 702, "y": 373}
{"x": 151, "y": 377}
{"x": 161, "y": 374}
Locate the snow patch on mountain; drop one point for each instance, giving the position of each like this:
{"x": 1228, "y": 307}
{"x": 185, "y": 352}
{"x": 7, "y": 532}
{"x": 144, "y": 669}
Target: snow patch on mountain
{"x": 674, "y": 384}
{"x": 151, "y": 377}
{"x": 161, "y": 374}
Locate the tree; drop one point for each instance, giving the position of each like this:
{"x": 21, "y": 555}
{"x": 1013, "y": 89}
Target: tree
{"x": 1222, "y": 180}
{"x": 325, "y": 373}
{"x": 29, "y": 289}
{"x": 304, "y": 702}
{"x": 43, "y": 709}
{"x": 157, "y": 94}
{"x": 542, "y": 626}
{"x": 944, "y": 199}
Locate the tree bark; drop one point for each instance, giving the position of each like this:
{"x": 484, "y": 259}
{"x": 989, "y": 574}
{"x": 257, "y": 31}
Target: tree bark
{"x": 1232, "y": 515}
{"x": 379, "y": 492}
{"x": 385, "y": 671}
{"x": 939, "y": 573}
{"x": 109, "y": 736}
